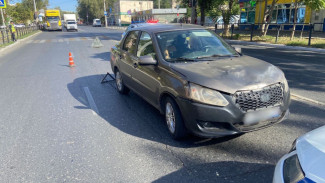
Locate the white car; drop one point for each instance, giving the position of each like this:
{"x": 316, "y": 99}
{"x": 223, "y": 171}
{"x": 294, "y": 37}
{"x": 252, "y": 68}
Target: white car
{"x": 305, "y": 163}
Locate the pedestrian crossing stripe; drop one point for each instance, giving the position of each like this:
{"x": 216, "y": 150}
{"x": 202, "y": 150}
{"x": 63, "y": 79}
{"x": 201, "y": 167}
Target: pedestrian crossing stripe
{"x": 77, "y": 39}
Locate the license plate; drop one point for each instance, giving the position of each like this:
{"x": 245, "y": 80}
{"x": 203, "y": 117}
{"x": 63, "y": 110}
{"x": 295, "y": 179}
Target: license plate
{"x": 262, "y": 115}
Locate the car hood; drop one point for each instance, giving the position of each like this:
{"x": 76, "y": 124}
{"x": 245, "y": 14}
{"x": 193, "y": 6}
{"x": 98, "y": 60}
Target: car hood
{"x": 311, "y": 153}
{"x": 231, "y": 74}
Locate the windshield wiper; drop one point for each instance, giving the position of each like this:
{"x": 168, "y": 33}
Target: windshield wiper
{"x": 182, "y": 59}
{"x": 216, "y": 55}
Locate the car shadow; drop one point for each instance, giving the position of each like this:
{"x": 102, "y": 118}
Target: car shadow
{"x": 222, "y": 172}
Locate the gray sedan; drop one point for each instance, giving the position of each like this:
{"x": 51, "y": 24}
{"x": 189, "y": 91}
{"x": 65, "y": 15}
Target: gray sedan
{"x": 200, "y": 83}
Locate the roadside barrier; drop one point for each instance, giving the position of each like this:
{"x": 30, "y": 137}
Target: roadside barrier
{"x": 5, "y": 34}
{"x": 71, "y": 63}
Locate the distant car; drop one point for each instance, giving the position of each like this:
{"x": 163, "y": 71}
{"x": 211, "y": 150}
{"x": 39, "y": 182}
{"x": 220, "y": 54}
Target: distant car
{"x": 305, "y": 163}
{"x": 20, "y": 25}
{"x": 71, "y": 25}
{"x": 199, "y": 82}
{"x": 2, "y": 26}
{"x": 97, "y": 23}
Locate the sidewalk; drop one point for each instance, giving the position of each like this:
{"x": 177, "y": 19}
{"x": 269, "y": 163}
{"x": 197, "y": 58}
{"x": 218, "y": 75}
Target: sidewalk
{"x": 18, "y": 42}
{"x": 275, "y": 45}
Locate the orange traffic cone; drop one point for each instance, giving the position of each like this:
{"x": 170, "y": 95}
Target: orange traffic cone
{"x": 71, "y": 63}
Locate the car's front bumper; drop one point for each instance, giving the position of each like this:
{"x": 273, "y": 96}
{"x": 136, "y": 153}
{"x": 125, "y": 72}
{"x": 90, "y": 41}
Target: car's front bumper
{"x": 212, "y": 121}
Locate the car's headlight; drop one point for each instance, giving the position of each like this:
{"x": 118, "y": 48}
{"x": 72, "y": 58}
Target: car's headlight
{"x": 292, "y": 171}
{"x": 206, "y": 95}
{"x": 286, "y": 85}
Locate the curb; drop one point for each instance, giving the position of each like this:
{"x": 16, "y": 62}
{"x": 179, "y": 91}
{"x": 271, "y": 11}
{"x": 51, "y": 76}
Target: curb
{"x": 298, "y": 97}
{"x": 18, "y": 42}
{"x": 276, "y": 46}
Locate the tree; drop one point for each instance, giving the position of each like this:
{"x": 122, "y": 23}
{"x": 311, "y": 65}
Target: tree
{"x": 268, "y": 15}
{"x": 312, "y": 4}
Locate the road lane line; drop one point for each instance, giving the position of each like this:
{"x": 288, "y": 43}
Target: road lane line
{"x": 60, "y": 40}
{"x": 91, "y": 101}
{"x": 303, "y": 99}
{"x": 29, "y": 41}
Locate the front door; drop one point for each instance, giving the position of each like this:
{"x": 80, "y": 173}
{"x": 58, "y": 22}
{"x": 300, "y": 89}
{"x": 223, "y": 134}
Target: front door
{"x": 146, "y": 76}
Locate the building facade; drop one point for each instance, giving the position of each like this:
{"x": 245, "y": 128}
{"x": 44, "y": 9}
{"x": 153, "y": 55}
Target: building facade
{"x": 123, "y": 10}
{"x": 252, "y": 12}
{"x": 160, "y": 15}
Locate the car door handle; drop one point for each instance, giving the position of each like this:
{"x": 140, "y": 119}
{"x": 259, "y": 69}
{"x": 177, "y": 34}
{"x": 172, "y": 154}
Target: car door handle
{"x": 135, "y": 65}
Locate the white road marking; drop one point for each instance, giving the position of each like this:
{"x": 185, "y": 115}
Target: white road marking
{"x": 42, "y": 41}
{"x": 54, "y": 41}
{"x": 304, "y": 99}
{"x": 29, "y": 41}
{"x": 60, "y": 40}
{"x": 91, "y": 101}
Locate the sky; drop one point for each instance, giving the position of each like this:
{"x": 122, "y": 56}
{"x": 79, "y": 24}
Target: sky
{"x": 66, "y": 5}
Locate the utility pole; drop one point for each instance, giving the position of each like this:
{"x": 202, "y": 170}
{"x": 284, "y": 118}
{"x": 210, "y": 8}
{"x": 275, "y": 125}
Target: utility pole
{"x": 158, "y": 4}
{"x": 87, "y": 12}
{"x": 35, "y": 14}
{"x": 3, "y": 19}
{"x": 105, "y": 13}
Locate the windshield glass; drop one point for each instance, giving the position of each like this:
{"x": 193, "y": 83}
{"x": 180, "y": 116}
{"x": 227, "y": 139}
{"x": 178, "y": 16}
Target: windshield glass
{"x": 53, "y": 18}
{"x": 97, "y": 21}
{"x": 71, "y": 22}
{"x": 192, "y": 44}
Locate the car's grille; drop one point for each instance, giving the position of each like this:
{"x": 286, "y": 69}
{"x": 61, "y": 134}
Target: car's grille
{"x": 255, "y": 99}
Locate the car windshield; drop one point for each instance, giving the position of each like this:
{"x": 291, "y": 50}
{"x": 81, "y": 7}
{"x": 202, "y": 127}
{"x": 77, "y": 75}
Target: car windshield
{"x": 97, "y": 21}
{"x": 193, "y": 44}
{"x": 71, "y": 22}
{"x": 52, "y": 18}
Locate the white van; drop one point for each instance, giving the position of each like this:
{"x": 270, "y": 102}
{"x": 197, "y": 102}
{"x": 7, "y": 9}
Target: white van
{"x": 97, "y": 23}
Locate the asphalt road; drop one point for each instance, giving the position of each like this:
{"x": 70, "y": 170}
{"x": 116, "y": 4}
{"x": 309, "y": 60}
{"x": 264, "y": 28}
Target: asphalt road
{"x": 59, "y": 124}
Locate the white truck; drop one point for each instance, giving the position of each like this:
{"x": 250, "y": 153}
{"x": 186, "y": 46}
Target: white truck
{"x": 70, "y": 22}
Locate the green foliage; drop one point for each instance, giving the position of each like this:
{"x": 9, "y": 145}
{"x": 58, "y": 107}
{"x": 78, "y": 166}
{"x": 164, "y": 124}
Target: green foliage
{"x": 94, "y": 8}
{"x": 315, "y": 4}
{"x": 237, "y": 36}
{"x": 163, "y": 4}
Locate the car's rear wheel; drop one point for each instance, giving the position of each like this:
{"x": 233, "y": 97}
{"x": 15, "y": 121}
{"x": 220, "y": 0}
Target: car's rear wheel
{"x": 174, "y": 119}
{"x": 121, "y": 88}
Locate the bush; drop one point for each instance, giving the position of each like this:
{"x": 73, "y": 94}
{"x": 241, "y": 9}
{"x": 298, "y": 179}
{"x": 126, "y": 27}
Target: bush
{"x": 237, "y": 36}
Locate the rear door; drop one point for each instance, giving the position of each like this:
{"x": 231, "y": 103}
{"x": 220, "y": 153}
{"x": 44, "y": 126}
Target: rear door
{"x": 127, "y": 57}
{"x": 146, "y": 77}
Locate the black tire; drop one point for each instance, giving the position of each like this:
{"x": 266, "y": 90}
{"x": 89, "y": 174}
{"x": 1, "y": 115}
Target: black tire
{"x": 180, "y": 130}
{"x": 121, "y": 88}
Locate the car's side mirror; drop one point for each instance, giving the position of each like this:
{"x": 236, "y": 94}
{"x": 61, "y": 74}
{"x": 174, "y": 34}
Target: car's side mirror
{"x": 147, "y": 60}
{"x": 238, "y": 49}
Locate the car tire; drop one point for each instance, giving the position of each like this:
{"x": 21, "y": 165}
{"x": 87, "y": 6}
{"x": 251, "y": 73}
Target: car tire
{"x": 121, "y": 88}
{"x": 174, "y": 119}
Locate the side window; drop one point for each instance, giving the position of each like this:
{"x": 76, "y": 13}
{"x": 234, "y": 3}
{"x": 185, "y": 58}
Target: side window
{"x": 130, "y": 43}
{"x": 145, "y": 46}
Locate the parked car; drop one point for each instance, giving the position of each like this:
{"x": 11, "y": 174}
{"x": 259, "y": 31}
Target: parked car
{"x": 199, "y": 82}
{"x": 135, "y": 25}
{"x": 305, "y": 163}
{"x": 20, "y": 25}
{"x": 97, "y": 23}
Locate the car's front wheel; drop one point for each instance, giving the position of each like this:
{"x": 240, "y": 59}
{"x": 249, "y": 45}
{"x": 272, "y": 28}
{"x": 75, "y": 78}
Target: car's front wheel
{"x": 121, "y": 88}
{"x": 174, "y": 119}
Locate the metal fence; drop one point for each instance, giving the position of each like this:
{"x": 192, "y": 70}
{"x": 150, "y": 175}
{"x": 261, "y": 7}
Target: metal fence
{"x": 6, "y": 37}
{"x": 306, "y": 31}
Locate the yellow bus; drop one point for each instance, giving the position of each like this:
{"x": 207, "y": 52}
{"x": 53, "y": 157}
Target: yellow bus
{"x": 53, "y": 20}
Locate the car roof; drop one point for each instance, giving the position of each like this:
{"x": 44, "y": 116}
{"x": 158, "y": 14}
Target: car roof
{"x": 167, "y": 27}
